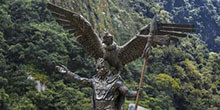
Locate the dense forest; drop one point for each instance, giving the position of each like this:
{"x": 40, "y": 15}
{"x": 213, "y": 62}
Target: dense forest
{"x": 182, "y": 76}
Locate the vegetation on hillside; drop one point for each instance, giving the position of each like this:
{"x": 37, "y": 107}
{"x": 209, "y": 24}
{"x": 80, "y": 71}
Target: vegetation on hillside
{"x": 183, "y": 76}
{"x": 205, "y": 14}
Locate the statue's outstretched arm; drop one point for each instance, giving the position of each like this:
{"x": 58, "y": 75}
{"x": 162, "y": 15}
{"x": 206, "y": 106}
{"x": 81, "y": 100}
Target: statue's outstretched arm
{"x": 125, "y": 91}
{"x": 83, "y": 81}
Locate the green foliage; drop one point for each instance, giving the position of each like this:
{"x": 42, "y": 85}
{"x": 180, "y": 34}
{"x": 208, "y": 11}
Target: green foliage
{"x": 167, "y": 81}
{"x": 183, "y": 76}
{"x": 5, "y": 18}
{"x": 21, "y": 103}
{"x": 204, "y": 14}
{"x": 4, "y": 99}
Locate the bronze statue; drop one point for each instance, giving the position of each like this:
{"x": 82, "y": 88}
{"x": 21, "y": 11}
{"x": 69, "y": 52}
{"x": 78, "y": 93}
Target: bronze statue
{"x": 117, "y": 56}
{"x": 109, "y": 90}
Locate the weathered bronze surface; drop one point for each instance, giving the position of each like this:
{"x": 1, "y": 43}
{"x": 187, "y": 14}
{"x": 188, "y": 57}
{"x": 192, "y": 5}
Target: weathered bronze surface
{"x": 109, "y": 90}
{"x": 118, "y": 56}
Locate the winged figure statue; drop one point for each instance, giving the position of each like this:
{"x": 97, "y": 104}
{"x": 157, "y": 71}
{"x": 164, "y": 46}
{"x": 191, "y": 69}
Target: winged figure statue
{"x": 104, "y": 47}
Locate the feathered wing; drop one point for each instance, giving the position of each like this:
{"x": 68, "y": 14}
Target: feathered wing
{"x": 134, "y": 48}
{"x": 80, "y": 27}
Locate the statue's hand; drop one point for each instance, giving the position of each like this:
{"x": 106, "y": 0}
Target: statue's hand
{"x": 62, "y": 69}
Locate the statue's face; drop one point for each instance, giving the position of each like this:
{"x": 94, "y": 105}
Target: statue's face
{"x": 102, "y": 69}
{"x": 107, "y": 39}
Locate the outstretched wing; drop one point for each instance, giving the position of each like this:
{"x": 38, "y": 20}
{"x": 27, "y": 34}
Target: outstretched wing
{"x": 134, "y": 48}
{"x": 80, "y": 27}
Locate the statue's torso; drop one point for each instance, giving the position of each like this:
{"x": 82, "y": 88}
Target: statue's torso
{"x": 105, "y": 93}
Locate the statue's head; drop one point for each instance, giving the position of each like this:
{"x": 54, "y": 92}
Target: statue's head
{"x": 102, "y": 67}
{"x": 107, "y": 39}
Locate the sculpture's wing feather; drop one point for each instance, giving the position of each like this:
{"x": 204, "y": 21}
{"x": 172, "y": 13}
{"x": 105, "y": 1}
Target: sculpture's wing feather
{"x": 80, "y": 27}
{"x": 166, "y": 33}
{"x": 132, "y": 50}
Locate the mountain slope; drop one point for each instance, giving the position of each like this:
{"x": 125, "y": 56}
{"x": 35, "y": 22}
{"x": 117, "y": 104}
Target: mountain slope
{"x": 183, "y": 76}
